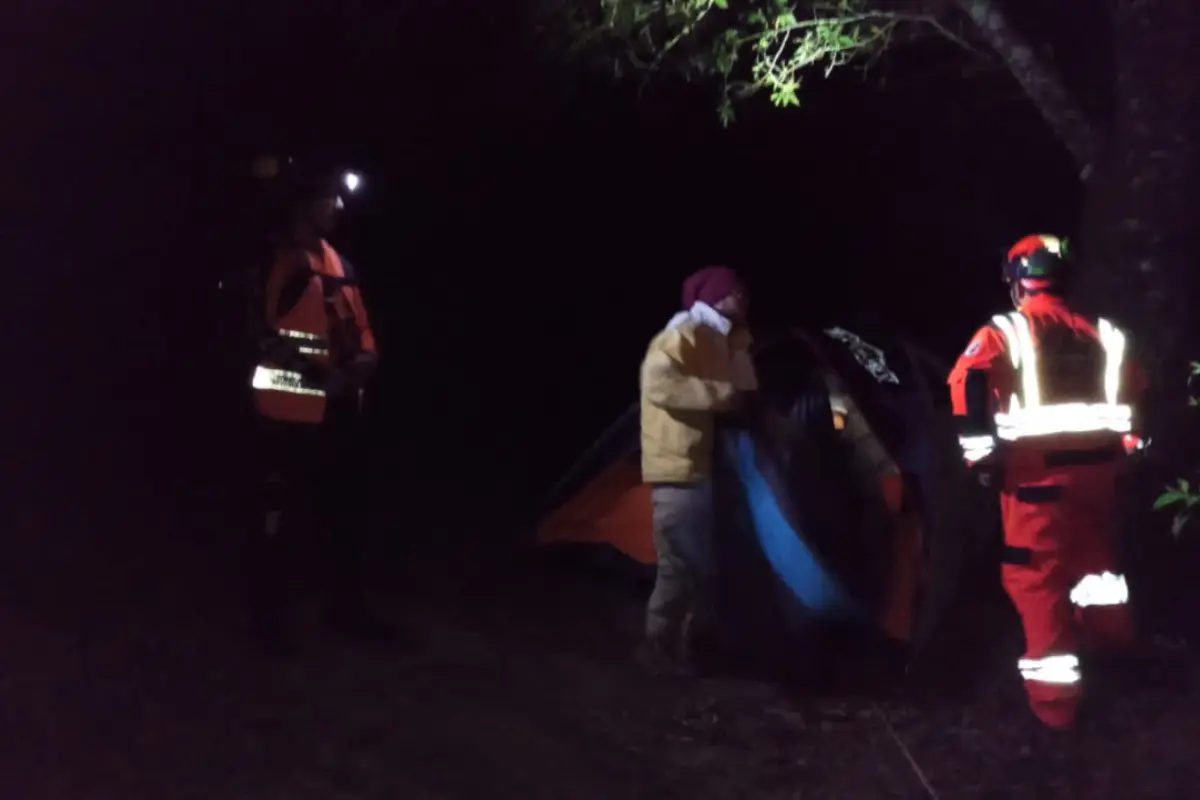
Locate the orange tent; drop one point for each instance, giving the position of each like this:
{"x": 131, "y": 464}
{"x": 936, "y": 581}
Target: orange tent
{"x": 614, "y": 508}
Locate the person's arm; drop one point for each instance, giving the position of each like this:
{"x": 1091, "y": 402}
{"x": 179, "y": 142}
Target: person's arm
{"x": 986, "y": 354}
{"x": 669, "y": 383}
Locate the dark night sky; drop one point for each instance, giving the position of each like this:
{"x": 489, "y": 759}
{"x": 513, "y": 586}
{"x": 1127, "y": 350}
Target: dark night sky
{"x": 523, "y": 235}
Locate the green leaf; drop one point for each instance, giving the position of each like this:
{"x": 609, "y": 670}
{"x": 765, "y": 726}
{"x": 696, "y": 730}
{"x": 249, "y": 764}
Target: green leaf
{"x": 1192, "y": 401}
{"x": 721, "y": 4}
{"x": 1184, "y": 486}
{"x": 786, "y": 94}
{"x": 1196, "y": 367}
{"x": 1168, "y": 498}
{"x": 1178, "y": 524}
{"x": 725, "y": 112}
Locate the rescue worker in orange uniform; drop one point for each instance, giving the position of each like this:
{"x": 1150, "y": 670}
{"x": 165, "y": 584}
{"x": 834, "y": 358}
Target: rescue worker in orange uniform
{"x": 316, "y": 352}
{"x": 1044, "y": 399}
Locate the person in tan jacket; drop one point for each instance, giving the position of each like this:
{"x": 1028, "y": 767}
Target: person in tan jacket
{"x": 696, "y": 368}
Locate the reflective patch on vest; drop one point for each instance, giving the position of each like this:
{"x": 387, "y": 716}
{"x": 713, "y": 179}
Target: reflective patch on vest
{"x": 1027, "y": 417}
{"x": 869, "y": 356}
{"x": 282, "y": 380}
{"x": 309, "y": 344}
{"x": 974, "y": 347}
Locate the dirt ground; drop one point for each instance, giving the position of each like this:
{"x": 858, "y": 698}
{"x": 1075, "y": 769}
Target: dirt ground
{"x": 136, "y": 683}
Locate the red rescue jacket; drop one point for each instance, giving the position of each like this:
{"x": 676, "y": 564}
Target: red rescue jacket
{"x": 1053, "y": 376}
{"x": 315, "y": 322}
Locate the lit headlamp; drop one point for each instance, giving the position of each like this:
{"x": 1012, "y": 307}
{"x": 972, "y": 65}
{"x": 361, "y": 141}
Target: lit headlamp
{"x": 348, "y": 183}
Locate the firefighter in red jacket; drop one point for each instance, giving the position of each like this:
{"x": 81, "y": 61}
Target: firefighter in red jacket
{"x": 316, "y": 352}
{"x": 1044, "y": 399}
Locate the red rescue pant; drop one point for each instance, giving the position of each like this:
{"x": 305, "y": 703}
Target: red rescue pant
{"x": 1060, "y": 572}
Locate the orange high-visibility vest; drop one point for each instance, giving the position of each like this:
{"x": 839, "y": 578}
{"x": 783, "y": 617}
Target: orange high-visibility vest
{"x": 314, "y": 310}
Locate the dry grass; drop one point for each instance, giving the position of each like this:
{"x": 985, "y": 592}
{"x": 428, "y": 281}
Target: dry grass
{"x": 517, "y": 689}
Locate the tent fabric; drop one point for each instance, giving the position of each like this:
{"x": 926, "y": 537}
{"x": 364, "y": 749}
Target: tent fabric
{"x": 803, "y": 533}
{"x": 613, "y": 508}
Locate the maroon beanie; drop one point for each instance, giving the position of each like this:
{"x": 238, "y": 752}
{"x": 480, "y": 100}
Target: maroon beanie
{"x": 710, "y": 285}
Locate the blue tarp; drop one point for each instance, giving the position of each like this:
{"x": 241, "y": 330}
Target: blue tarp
{"x": 810, "y": 585}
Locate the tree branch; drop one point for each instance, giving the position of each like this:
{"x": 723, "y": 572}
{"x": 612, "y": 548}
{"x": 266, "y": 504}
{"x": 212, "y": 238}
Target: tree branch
{"x": 1039, "y": 80}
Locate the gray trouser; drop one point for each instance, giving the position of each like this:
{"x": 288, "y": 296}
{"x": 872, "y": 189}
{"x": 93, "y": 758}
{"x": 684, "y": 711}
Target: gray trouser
{"x": 683, "y": 529}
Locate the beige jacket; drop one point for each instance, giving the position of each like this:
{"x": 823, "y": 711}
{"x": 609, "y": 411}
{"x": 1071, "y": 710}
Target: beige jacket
{"x": 692, "y": 370}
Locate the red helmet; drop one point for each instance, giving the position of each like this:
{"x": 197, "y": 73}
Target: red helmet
{"x": 1038, "y": 262}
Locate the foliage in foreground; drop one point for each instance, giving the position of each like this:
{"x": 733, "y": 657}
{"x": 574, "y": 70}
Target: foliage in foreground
{"x": 1183, "y": 497}
{"x": 746, "y": 46}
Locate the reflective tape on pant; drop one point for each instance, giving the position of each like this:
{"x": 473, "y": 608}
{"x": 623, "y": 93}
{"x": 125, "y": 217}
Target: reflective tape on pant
{"x": 1060, "y": 669}
{"x": 282, "y": 380}
{"x": 1105, "y": 589}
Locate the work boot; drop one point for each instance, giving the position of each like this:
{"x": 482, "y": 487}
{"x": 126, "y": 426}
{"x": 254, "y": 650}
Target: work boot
{"x": 657, "y": 660}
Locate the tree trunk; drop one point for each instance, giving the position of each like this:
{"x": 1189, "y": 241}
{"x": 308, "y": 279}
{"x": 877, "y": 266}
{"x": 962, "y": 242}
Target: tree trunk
{"x": 1141, "y": 247}
{"x": 1038, "y": 78}
{"x": 1140, "y": 217}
